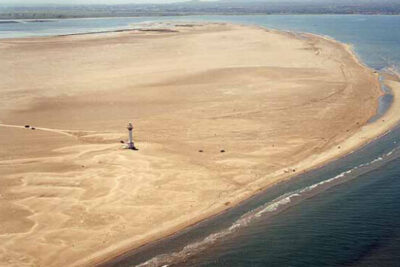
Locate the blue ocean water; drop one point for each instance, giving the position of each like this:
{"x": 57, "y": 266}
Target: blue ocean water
{"x": 346, "y": 213}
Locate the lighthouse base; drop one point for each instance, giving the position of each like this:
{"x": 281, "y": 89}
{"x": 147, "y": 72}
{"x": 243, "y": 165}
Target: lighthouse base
{"x": 131, "y": 146}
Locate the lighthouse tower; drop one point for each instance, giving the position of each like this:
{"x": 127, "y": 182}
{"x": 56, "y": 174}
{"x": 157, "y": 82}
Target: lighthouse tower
{"x": 131, "y": 145}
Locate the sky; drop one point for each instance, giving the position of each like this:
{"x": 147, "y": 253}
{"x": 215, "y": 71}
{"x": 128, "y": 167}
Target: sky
{"x": 29, "y": 2}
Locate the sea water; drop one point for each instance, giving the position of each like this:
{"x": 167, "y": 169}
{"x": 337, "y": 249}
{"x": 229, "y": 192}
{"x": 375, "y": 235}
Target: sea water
{"x": 345, "y": 213}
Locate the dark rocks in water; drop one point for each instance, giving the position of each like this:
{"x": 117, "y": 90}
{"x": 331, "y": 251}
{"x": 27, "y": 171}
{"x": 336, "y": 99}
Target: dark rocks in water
{"x": 40, "y": 20}
{"x": 187, "y": 25}
{"x": 8, "y": 21}
{"x": 27, "y": 126}
{"x": 156, "y": 30}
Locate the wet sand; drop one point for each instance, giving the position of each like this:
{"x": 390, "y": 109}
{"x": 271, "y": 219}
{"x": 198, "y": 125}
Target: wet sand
{"x": 275, "y": 103}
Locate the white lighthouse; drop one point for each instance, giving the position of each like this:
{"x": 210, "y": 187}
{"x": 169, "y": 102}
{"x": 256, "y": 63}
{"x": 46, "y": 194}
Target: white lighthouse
{"x": 131, "y": 145}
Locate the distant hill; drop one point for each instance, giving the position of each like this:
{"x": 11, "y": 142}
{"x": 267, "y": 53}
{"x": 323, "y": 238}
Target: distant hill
{"x": 226, "y": 7}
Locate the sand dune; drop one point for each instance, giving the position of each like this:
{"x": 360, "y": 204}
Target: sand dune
{"x": 70, "y": 195}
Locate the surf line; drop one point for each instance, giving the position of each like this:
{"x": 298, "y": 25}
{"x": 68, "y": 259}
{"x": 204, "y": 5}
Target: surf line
{"x": 270, "y": 208}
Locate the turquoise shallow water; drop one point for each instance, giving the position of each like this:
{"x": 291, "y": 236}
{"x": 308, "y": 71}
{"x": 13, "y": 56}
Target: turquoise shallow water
{"x": 344, "y": 214}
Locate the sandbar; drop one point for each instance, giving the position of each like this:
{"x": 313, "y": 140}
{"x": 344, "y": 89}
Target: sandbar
{"x": 220, "y": 112}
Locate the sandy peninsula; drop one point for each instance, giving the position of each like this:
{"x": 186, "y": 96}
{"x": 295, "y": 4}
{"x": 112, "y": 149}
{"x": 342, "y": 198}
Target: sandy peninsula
{"x": 277, "y": 104}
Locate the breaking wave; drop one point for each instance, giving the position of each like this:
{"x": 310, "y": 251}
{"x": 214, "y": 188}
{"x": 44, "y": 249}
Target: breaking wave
{"x": 391, "y": 68}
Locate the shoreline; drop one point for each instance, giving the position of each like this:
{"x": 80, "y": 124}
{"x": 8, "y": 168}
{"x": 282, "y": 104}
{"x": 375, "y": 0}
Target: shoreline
{"x": 350, "y": 149}
{"x": 361, "y": 137}
{"x": 221, "y": 14}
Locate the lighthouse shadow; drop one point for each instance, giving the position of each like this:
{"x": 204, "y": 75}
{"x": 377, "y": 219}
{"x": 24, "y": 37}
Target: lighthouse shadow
{"x": 126, "y": 146}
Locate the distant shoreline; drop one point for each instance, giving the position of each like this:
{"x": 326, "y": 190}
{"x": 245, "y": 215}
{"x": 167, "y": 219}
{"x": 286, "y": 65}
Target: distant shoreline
{"x": 118, "y": 28}
{"x": 17, "y": 18}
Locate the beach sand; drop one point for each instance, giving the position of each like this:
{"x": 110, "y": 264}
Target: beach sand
{"x": 277, "y": 103}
